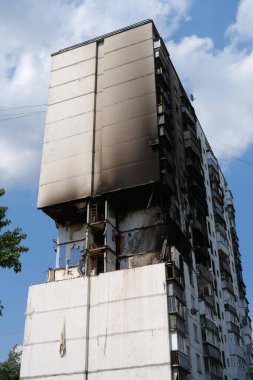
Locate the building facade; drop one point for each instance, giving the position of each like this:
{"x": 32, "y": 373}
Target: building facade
{"x": 148, "y": 280}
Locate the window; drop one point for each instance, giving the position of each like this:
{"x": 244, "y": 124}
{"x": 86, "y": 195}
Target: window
{"x": 195, "y": 330}
{"x": 198, "y": 363}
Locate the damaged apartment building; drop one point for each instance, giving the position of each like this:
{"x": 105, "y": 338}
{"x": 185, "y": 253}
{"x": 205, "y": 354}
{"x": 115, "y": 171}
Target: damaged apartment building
{"x": 148, "y": 279}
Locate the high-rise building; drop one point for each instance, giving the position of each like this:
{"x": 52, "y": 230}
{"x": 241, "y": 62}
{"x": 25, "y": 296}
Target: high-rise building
{"x": 148, "y": 279}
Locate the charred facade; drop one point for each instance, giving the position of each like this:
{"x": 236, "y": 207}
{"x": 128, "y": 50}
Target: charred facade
{"x": 130, "y": 179}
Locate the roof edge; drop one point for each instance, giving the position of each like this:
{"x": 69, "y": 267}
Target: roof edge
{"x": 103, "y": 36}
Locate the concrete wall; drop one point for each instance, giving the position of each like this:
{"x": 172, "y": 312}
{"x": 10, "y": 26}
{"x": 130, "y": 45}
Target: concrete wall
{"x": 126, "y": 321}
{"x": 101, "y": 114}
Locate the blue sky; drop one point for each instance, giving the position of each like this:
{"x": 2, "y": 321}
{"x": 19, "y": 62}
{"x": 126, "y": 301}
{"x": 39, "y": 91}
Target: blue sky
{"x": 210, "y": 42}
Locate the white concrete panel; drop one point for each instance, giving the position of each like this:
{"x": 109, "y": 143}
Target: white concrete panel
{"x": 49, "y": 306}
{"x": 128, "y": 54}
{"x": 73, "y": 56}
{"x": 99, "y": 101}
{"x": 128, "y": 321}
{"x": 129, "y": 90}
{"x": 129, "y": 71}
{"x": 100, "y": 82}
{"x": 128, "y": 331}
{"x": 72, "y": 146}
{"x": 69, "y": 108}
{"x": 161, "y": 372}
{"x": 44, "y": 360}
{"x": 48, "y": 296}
{"x": 65, "y": 190}
{"x": 70, "y": 73}
{"x": 129, "y": 37}
{"x": 129, "y": 109}
{"x": 72, "y": 89}
{"x": 128, "y": 152}
{"x": 69, "y": 127}
{"x": 130, "y": 130}
{"x": 71, "y": 167}
{"x": 71, "y": 232}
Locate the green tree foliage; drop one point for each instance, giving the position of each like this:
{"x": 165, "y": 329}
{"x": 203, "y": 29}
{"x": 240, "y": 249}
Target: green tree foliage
{"x": 10, "y": 243}
{"x": 10, "y": 369}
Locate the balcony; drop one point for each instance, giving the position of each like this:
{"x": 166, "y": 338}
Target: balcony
{"x": 223, "y": 248}
{"x": 163, "y": 98}
{"x": 168, "y": 179}
{"x": 229, "y": 198}
{"x": 212, "y": 161}
{"x": 191, "y": 141}
{"x": 228, "y": 285}
{"x": 213, "y": 376}
{"x": 204, "y": 273}
{"x": 202, "y": 254}
{"x": 176, "y": 307}
{"x": 237, "y": 350}
{"x": 209, "y": 299}
{"x": 208, "y": 324}
{"x": 229, "y": 307}
{"x": 178, "y": 359}
{"x": 177, "y": 324}
{"x": 188, "y": 114}
{"x": 218, "y": 210}
{"x": 163, "y": 108}
{"x": 224, "y": 267}
{"x": 211, "y": 351}
{"x": 165, "y": 132}
{"x": 233, "y": 328}
{"x": 160, "y": 57}
{"x": 163, "y": 78}
{"x": 177, "y": 291}
{"x": 249, "y": 349}
{"x": 163, "y": 119}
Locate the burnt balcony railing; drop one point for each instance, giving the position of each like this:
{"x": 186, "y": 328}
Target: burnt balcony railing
{"x": 160, "y": 58}
{"x": 163, "y": 119}
{"x": 163, "y": 108}
{"x": 191, "y": 141}
{"x": 168, "y": 179}
{"x": 178, "y": 359}
{"x": 163, "y": 77}
{"x": 188, "y": 114}
{"x": 165, "y": 133}
{"x": 204, "y": 273}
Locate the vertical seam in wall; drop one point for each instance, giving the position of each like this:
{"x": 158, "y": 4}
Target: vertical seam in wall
{"x": 87, "y": 328}
{"x": 94, "y": 124}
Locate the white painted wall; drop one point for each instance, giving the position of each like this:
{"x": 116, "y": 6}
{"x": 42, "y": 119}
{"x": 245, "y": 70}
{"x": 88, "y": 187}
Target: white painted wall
{"x": 127, "y": 329}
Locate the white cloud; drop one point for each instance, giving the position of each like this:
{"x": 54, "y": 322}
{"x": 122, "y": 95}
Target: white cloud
{"x": 222, "y": 83}
{"x": 241, "y": 30}
{"x": 29, "y": 32}
{"x": 96, "y": 17}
